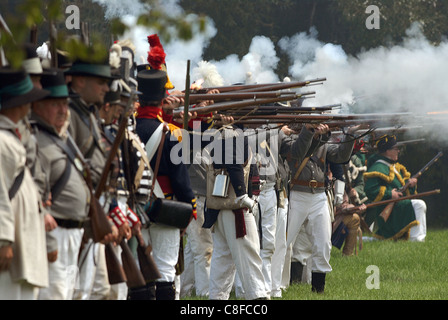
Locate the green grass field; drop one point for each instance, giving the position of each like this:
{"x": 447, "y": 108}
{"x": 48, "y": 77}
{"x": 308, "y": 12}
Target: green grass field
{"x": 407, "y": 271}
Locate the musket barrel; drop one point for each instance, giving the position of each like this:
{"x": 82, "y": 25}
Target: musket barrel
{"x": 196, "y": 97}
{"x": 285, "y": 85}
{"x": 244, "y": 103}
{"x": 389, "y": 201}
{"x": 263, "y": 87}
{"x": 287, "y": 110}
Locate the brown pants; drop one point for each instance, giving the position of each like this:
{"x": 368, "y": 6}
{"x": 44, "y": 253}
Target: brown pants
{"x": 352, "y": 223}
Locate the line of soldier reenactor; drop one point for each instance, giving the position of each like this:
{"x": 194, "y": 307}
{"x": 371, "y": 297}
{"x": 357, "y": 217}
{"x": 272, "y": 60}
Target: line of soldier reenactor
{"x": 87, "y": 140}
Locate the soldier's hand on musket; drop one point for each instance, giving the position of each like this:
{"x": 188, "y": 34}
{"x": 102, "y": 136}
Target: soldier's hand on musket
{"x": 412, "y": 182}
{"x": 361, "y": 126}
{"x": 208, "y": 102}
{"x": 191, "y": 116}
{"x": 170, "y": 103}
{"x": 396, "y": 194}
{"x": 137, "y": 229}
{"x": 226, "y": 119}
{"x": 111, "y": 237}
{"x": 362, "y": 208}
{"x": 319, "y": 129}
{"x": 124, "y": 232}
{"x": 287, "y": 130}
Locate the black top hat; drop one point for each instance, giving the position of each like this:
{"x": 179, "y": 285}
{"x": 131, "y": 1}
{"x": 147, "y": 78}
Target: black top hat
{"x": 54, "y": 81}
{"x": 151, "y": 84}
{"x": 16, "y": 89}
{"x": 85, "y": 68}
{"x": 386, "y": 142}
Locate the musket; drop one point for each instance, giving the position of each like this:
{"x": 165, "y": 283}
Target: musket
{"x": 261, "y": 87}
{"x": 187, "y": 96}
{"x": 53, "y": 49}
{"x": 385, "y": 214}
{"x": 384, "y": 130}
{"x": 405, "y": 142}
{"x": 332, "y": 120}
{"x": 134, "y": 278}
{"x": 197, "y": 97}
{"x": 285, "y": 85}
{"x": 244, "y": 103}
{"x": 117, "y": 142}
{"x": 275, "y": 110}
{"x": 33, "y": 34}
{"x": 422, "y": 170}
{"x": 389, "y": 201}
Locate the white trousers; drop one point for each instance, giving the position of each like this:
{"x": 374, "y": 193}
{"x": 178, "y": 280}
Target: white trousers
{"x": 94, "y": 279}
{"x": 13, "y": 290}
{"x": 279, "y": 256}
{"x": 165, "y": 242}
{"x": 64, "y": 272}
{"x": 197, "y": 255}
{"x": 299, "y": 251}
{"x": 312, "y": 208}
{"x": 418, "y": 233}
{"x": 267, "y": 224}
{"x": 231, "y": 255}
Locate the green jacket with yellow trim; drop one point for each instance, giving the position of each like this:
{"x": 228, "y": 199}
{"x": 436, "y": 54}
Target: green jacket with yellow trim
{"x": 382, "y": 176}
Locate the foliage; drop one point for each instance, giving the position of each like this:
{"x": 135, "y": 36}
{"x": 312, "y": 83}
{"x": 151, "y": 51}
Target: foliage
{"x": 338, "y": 22}
{"x": 23, "y": 15}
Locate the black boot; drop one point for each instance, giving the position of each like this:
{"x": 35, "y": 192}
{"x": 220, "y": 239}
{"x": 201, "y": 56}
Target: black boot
{"x": 165, "y": 291}
{"x": 318, "y": 282}
{"x": 147, "y": 292}
{"x": 296, "y": 272}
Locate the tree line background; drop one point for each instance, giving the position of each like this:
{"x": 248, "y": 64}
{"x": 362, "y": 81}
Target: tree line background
{"x": 337, "y": 21}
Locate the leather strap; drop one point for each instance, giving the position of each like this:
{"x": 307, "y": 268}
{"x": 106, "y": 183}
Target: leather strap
{"x": 16, "y": 185}
{"x": 299, "y": 170}
{"x": 310, "y": 183}
{"x": 159, "y": 156}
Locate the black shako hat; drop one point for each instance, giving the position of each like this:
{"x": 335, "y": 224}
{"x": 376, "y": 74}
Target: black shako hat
{"x": 16, "y": 89}
{"x": 386, "y": 142}
{"x": 151, "y": 84}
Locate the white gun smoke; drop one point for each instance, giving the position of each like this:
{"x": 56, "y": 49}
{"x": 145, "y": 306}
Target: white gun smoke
{"x": 406, "y": 77}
